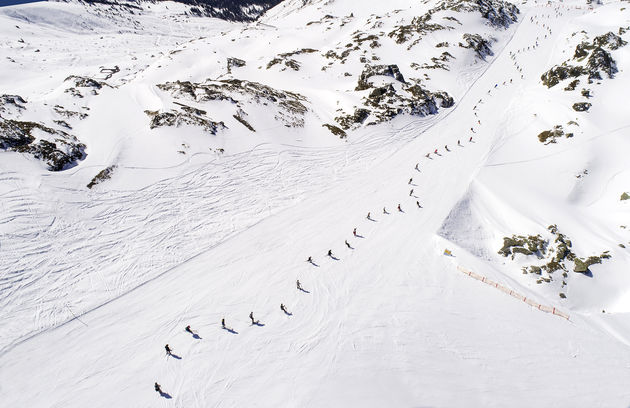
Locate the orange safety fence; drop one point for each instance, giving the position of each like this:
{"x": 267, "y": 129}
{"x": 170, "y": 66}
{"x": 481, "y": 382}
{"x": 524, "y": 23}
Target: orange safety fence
{"x": 531, "y": 302}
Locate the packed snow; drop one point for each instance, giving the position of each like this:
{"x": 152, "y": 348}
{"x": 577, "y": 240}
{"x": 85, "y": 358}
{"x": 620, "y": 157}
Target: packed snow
{"x": 196, "y": 218}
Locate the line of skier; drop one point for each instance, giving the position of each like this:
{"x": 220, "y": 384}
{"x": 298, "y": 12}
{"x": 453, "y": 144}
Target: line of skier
{"x": 330, "y": 254}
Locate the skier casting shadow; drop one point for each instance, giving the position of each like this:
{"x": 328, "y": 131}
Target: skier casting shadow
{"x": 354, "y": 232}
{"x": 310, "y": 260}
{"x": 163, "y": 394}
{"x": 195, "y": 335}
{"x": 255, "y": 322}
{"x": 169, "y": 353}
{"x": 284, "y": 309}
{"x": 332, "y": 256}
{"x": 300, "y": 288}
{"x": 228, "y": 329}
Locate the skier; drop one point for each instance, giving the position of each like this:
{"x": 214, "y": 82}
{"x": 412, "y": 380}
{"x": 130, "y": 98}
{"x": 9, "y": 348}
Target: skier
{"x": 309, "y": 260}
{"x": 354, "y": 232}
{"x": 410, "y": 192}
{"x": 399, "y": 209}
{"x": 223, "y": 323}
{"x": 410, "y": 181}
{"x": 427, "y": 155}
{"x": 348, "y": 245}
{"x": 158, "y": 388}
{"x": 385, "y": 211}
{"x": 251, "y": 316}
{"x": 418, "y": 204}
{"x": 299, "y": 286}
{"x": 459, "y": 143}
{"x": 168, "y": 350}
{"x": 417, "y": 168}
{"x": 446, "y": 148}
{"x": 283, "y": 308}
{"x": 189, "y": 330}
{"x": 472, "y": 130}
{"x": 368, "y": 216}
{"x": 435, "y": 151}
{"x": 470, "y": 140}
{"x": 330, "y": 254}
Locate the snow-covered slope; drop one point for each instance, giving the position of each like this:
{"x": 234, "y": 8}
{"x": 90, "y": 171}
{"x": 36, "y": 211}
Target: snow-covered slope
{"x": 228, "y": 154}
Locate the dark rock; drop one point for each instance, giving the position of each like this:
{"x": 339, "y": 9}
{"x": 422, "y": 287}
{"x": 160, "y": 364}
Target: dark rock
{"x": 480, "y": 45}
{"x": 581, "y": 106}
{"x": 61, "y": 153}
{"x": 373, "y": 70}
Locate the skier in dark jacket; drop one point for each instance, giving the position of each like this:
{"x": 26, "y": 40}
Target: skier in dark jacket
{"x": 168, "y": 350}
{"x": 399, "y": 209}
{"x": 309, "y": 260}
{"x": 223, "y": 323}
{"x": 330, "y": 254}
{"x": 348, "y": 245}
{"x": 251, "y": 316}
{"x": 189, "y": 330}
{"x": 299, "y": 286}
{"x": 354, "y": 232}
{"x": 158, "y": 388}
{"x": 283, "y": 308}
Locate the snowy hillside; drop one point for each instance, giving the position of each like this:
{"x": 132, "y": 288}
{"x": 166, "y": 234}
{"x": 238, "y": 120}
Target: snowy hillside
{"x": 160, "y": 169}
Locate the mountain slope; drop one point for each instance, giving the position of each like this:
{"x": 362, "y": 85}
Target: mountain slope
{"x": 113, "y": 273}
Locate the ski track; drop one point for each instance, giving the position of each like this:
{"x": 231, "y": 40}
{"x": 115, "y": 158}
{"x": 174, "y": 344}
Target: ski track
{"x": 169, "y": 221}
{"x": 179, "y": 218}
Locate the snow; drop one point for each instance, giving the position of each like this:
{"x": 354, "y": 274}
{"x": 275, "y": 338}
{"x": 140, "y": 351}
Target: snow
{"x": 94, "y": 283}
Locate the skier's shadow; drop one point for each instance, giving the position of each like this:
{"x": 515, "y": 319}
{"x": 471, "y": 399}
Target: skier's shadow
{"x": 304, "y": 290}
{"x": 350, "y": 247}
{"x": 371, "y": 219}
{"x": 334, "y": 258}
{"x": 287, "y": 313}
{"x": 259, "y": 324}
{"x": 230, "y": 330}
{"x": 359, "y": 236}
{"x": 196, "y": 336}
{"x": 314, "y": 264}
{"x": 175, "y": 356}
{"x": 165, "y": 395}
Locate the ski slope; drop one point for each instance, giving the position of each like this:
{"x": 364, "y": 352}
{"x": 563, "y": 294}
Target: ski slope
{"x": 95, "y": 283}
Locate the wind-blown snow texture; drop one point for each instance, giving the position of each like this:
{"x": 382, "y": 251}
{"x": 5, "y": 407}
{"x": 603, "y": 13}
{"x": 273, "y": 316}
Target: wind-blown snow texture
{"x": 220, "y": 156}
